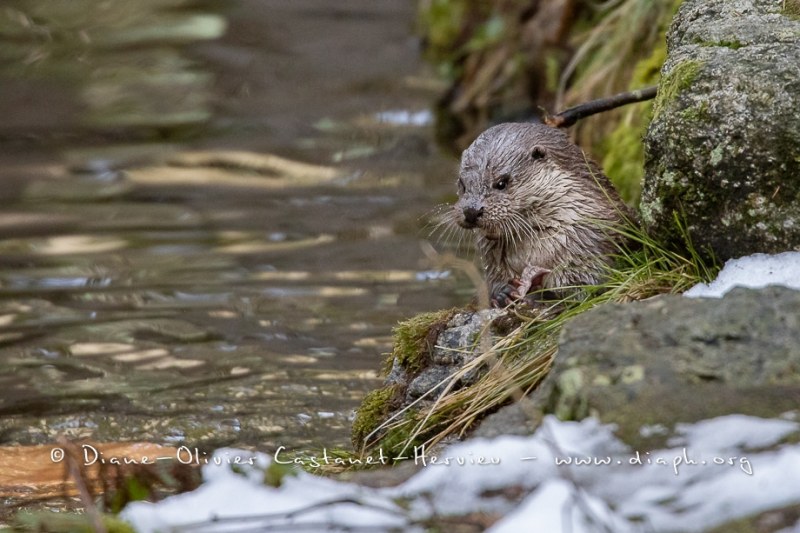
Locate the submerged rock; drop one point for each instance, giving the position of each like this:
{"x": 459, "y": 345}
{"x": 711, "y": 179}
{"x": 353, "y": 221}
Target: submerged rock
{"x": 723, "y": 148}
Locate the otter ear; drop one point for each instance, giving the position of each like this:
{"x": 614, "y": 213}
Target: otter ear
{"x": 538, "y": 152}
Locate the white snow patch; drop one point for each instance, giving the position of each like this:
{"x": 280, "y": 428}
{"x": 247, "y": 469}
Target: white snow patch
{"x": 558, "y": 505}
{"x": 577, "y": 475}
{"x": 227, "y": 495}
{"x": 754, "y": 271}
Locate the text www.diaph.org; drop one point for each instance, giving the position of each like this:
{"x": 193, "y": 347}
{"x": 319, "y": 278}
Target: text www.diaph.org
{"x": 676, "y": 462}
{"x": 421, "y": 457}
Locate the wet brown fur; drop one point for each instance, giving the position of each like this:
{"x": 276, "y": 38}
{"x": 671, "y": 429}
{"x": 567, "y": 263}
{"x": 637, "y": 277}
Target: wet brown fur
{"x": 554, "y": 213}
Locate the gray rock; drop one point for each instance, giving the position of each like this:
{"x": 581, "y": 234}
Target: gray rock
{"x": 461, "y": 334}
{"x": 455, "y": 346}
{"x": 672, "y": 359}
{"x": 519, "y": 418}
{"x": 432, "y": 379}
{"x": 724, "y": 143}
{"x": 421, "y": 376}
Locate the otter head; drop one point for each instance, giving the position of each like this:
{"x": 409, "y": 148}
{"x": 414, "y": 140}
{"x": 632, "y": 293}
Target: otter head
{"x": 514, "y": 180}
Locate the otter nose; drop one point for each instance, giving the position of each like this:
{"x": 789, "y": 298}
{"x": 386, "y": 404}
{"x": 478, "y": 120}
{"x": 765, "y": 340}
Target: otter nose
{"x": 471, "y": 216}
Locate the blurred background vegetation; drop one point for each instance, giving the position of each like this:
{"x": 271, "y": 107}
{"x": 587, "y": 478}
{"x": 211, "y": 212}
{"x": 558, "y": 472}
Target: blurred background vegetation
{"x": 520, "y": 59}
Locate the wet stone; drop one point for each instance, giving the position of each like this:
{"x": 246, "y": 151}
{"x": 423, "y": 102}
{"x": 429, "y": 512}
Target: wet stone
{"x": 431, "y": 382}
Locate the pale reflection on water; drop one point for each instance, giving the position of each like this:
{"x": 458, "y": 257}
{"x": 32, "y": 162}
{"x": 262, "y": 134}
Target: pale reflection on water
{"x": 121, "y": 62}
{"x": 231, "y": 283}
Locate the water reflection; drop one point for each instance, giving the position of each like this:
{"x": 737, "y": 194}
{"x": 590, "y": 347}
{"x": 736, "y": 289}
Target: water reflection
{"x": 121, "y": 62}
{"x": 206, "y": 292}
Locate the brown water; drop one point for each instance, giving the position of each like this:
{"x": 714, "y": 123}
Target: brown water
{"x": 207, "y": 229}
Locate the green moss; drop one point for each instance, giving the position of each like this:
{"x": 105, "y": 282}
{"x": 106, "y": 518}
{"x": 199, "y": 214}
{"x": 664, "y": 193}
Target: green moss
{"x": 675, "y": 82}
{"x": 371, "y": 413}
{"x": 400, "y": 440}
{"x": 624, "y": 160}
{"x": 624, "y": 150}
{"x": 52, "y": 522}
{"x": 791, "y": 9}
{"x": 413, "y": 340}
{"x": 277, "y": 472}
{"x": 695, "y": 113}
{"x": 648, "y": 71}
{"x": 400, "y": 436}
{"x": 734, "y": 45}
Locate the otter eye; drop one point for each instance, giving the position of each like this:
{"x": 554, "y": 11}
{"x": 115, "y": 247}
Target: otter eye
{"x": 461, "y": 186}
{"x": 502, "y": 182}
{"x": 537, "y": 153}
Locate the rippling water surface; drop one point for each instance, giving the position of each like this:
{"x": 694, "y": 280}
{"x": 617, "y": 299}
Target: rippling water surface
{"x": 211, "y": 218}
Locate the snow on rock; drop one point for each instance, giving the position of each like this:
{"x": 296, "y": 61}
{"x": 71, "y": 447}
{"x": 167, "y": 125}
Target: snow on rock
{"x": 577, "y": 476}
{"x": 754, "y": 271}
{"x": 706, "y": 481}
{"x": 733, "y": 431}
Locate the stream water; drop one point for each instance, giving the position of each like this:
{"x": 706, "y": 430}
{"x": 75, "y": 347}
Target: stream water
{"x": 211, "y": 218}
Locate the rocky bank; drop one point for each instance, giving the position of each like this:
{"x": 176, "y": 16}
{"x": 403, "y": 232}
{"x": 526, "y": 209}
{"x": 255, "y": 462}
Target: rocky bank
{"x": 723, "y": 148}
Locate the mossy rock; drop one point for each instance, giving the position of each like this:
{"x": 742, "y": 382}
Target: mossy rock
{"x": 429, "y": 350}
{"x": 372, "y": 412}
{"x": 677, "y": 80}
{"x": 678, "y": 360}
{"x": 723, "y": 151}
{"x": 414, "y": 341}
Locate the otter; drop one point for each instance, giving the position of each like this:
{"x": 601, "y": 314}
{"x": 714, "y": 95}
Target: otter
{"x": 543, "y": 214}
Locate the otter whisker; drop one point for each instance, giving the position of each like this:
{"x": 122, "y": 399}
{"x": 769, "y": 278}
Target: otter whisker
{"x": 445, "y": 225}
{"x": 525, "y": 226}
{"x": 522, "y": 228}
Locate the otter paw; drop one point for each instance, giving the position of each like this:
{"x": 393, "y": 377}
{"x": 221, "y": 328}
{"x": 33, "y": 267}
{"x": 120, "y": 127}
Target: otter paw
{"x": 532, "y": 278}
{"x": 504, "y": 295}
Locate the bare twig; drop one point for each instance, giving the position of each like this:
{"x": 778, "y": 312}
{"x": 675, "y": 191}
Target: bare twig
{"x": 567, "y": 118}
{"x": 287, "y": 515}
